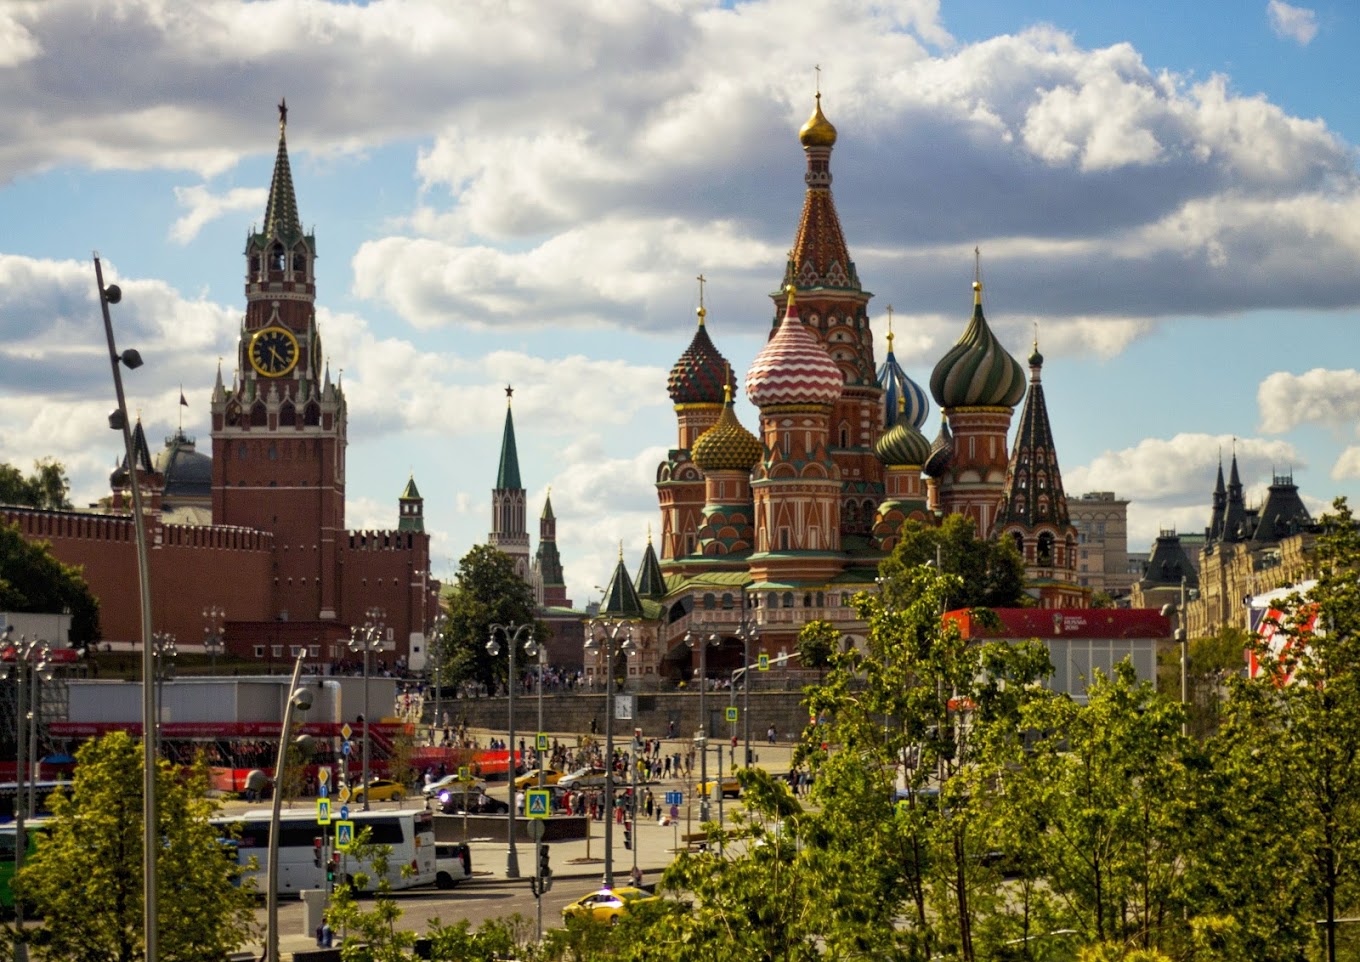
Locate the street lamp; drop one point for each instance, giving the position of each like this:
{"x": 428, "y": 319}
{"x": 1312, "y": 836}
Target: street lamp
{"x": 610, "y": 630}
{"x": 701, "y": 641}
{"x": 164, "y": 644}
{"x": 511, "y": 633}
{"x": 748, "y": 633}
{"x": 1180, "y": 636}
{"x": 118, "y": 421}
{"x": 436, "y": 651}
{"x": 24, "y": 650}
{"x": 301, "y": 699}
{"x": 366, "y": 638}
{"x": 212, "y": 632}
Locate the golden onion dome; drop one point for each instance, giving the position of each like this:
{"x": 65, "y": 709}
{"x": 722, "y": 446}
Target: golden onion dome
{"x": 818, "y": 131}
{"x": 727, "y": 446}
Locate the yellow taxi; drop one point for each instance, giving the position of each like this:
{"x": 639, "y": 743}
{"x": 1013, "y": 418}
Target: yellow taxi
{"x": 731, "y": 788}
{"x": 530, "y": 778}
{"x": 606, "y": 905}
{"x": 380, "y": 790}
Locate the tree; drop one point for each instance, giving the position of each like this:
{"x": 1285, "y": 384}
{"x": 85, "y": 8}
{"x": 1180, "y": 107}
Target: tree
{"x": 47, "y": 488}
{"x": 991, "y": 573}
{"x": 487, "y": 592}
{"x": 32, "y": 580}
{"x": 86, "y": 878}
{"x": 816, "y": 644}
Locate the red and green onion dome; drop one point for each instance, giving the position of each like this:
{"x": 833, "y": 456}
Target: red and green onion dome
{"x": 941, "y": 451}
{"x": 727, "y": 446}
{"x": 793, "y": 367}
{"x": 699, "y": 375}
{"x": 977, "y": 371}
{"x": 902, "y": 445}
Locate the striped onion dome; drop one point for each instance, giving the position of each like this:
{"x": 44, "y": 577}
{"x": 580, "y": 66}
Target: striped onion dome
{"x": 793, "y": 367}
{"x": 977, "y": 371}
{"x": 727, "y": 446}
{"x": 941, "y": 451}
{"x": 899, "y": 389}
{"x": 902, "y": 444}
{"x": 698, "y": 376}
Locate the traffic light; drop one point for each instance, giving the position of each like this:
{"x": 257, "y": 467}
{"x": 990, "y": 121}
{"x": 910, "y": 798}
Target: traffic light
{"x": 333, "y": 867}
{"x": 628, "y": 834}
{"x": 544, "y": 869}
{"x": 318, "y": 850}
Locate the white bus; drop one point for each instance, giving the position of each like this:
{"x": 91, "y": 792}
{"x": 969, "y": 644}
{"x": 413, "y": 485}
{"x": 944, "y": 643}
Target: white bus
{"x": 408, "y": 834}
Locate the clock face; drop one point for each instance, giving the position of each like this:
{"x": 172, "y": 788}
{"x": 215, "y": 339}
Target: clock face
{"x": 273, "y": 351}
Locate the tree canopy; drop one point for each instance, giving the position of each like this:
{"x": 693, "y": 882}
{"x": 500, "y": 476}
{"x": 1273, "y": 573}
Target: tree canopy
{"x": 991, "y": 573}
{"x": 47, "y": 487}
{"x": 32, "y": 580}
{"x": 85, "y": 879}
{"x": 486, "y": 591}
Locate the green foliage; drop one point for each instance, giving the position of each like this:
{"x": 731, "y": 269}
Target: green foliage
{"x": 32, "y": 580}
{"x": 816, "y": 643}
{"x": 487, "y": 592}
{"x": 86, "y": 878}
{"x": 47, "y": 488}
{"x": 991, "y": 573}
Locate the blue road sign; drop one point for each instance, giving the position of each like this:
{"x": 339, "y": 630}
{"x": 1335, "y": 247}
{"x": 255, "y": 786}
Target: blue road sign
{"x": 324, "y": 790}
{"x": 731, "y": 713}
{"x": 344, "y": 835}
{"x": 344, "y": 747}
{"x": 323, "y": 811}
{"x": 675, "y": 798}
{"x": 542, "y": 742}
{"x": 536, "y": 803}
{"x": 344, "y": 811}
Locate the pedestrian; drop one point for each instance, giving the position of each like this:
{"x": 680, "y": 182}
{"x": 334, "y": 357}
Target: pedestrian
{"x": 670, "y": 728}
{"x": 772, "y": 735}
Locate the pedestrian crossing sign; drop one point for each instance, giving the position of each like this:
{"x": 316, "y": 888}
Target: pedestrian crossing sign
{"x": 542, "y": 741}
{"x": 323, "y": 811}
{"x": 344, "y": 835}
{"x": 762, "y": 662}
{"x": 732, "y": 713}
{"x": 536, "y": 803}
{"x": 462, "y": 773}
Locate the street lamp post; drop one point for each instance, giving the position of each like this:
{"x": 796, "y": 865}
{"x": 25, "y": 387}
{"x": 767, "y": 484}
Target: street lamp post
{"x": 301, "y": 699}
{"x": 40, "y": 670}
{"x": 748, "y": 633}
{"x": 366, "y": 639}
{"x": 164, "y": 644}
{"x": 436, "y": 651}
{"x": 511, "y": 633}
{"x": 610, "y": 630}
{"x": 702, "y": 640}
{"x": 24, "y": 650}
{"x": 212, "y": 632}
{"x": 1181, "y": 638}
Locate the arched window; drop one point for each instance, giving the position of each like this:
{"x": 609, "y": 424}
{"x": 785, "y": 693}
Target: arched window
{"x": 807, "y": 600}
{"x": 788, "y": 599}
{"x": 1019, "y": 540}
{"x": 819, "y": 600}
{"x": 709, "y": 601}
{"x": 300, "y": 264}
{"x": 276, "y": 258}
{"x": 727, "y": 600}
{"x": 254, "y": 265}
{"x": 1045, "y": 556}
{"x": 845, "y": 436}
{"x": 287, "y": 416}
{"x": 851, "y": 514}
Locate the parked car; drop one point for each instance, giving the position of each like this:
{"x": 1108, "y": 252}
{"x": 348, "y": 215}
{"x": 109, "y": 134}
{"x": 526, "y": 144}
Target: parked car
{"x": 731, "y": 788}
{"x": 380, "y": 790}
{"x": 529, "y": 779}
{"x": 451, "y": 783}
{"x": 586, "y": 778}
{"x": 606, "y": 905}
{"x": 452, "y": 863}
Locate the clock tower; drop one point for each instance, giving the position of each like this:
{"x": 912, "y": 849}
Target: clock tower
{"x": 278, "y": 429}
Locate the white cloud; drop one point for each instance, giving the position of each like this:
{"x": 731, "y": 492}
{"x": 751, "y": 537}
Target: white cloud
{"x": 1347, "y": 466}
{"x": 1324, "y": 396}
{"x": 1298, "y": 24}
{"x": 205, "y": 207}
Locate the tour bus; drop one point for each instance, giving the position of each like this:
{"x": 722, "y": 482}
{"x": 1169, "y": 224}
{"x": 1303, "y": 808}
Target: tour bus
{"x": 42, "y": 795}
{"x": 33, "y": 831}
{"x": 408, "y": 834}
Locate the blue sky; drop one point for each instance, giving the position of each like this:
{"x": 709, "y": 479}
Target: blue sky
{"x": 524, "y": 193}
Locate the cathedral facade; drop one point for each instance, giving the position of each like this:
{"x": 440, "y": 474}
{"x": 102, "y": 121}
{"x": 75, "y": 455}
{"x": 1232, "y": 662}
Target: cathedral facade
{"x": 765, "y": 530}
{"x": 258, "y": 530}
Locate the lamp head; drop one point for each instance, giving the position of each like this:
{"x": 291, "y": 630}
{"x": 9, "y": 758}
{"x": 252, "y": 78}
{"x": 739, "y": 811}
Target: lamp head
{"x": 117, "y": 420}
{"x": 131, "y": 359}
{"x": 302, "y": 699}
{"x": 493, "y": 648}
{"x": 531, "y": 647}
{"x": 113, "y": 293}
{"x": 1168, "y": 610}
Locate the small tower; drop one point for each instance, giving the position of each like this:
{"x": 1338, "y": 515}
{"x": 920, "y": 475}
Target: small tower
{"x": 650, "y": 582}
{"x": 550, "y": 587}
{"x": 903, "y": 451}
{"x": 977, "y": 384}
{"x": 411, "y": 508}
{"x": 727, "y": 452}
{"x": 508, "y": 532}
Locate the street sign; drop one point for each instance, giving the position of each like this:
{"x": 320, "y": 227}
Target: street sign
{"x": 344, "y": 811}
{"x": 323, "y": 811}
{"x": 323, "y": 790}
{"x": 536, "y": 803}
{"x": 344, "y": 747}
{"x": 344, "y": 835}
{"x": 762, "y": 662}
{"x": 323, "y": 774}
{"x": 344, "y": 794}
{"x": 675, "y": 798}
{"x": 732, "y": 713}
{"x": 462, "y": 773}
{"x": 623, "y": 707}
{"x": 542, "y": 741}
{"x": 346, "y": 731}
{"x": 537, "y": 829}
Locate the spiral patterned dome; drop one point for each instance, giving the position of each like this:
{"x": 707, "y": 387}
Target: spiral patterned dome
{"x": 977, "y": 371}
{"x": 902, "y": 445}
{"x": 941, "y": 451}
{"x": 902, "y": 397}
{"x": 700, "y": 373}
{"x": 793, "y": 367}
{"x": 727, "y": 446}
{"x": 818, "y": 131}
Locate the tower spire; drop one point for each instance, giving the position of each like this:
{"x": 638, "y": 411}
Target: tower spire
{"x": 281, "y": 221}
{"x": 508, "y": 531}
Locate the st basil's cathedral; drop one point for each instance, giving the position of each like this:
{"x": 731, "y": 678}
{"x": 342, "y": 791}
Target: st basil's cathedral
{"x": 762, "y": 532}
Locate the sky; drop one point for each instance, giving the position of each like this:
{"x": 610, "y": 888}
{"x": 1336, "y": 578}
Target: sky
{"x": 524, "y": 191}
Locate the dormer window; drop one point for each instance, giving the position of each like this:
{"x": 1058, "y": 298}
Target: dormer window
{"x": 276, "y": 260}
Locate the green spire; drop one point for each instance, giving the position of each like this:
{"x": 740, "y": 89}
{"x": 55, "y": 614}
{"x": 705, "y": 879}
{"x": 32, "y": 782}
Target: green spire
{"x": 507, "y": 478}
{"x": 650, "y": 582}
{"x": 621, "y": 598}
{"x": 281, "y": 213}
{"x": 411, "y": 493}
